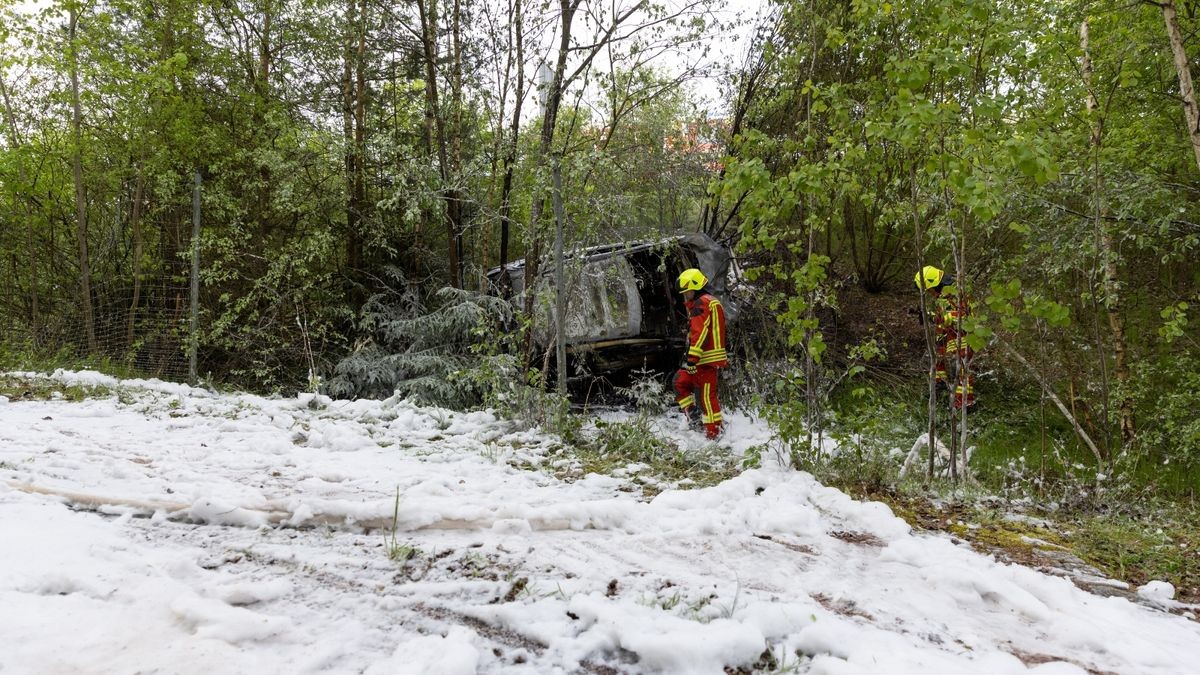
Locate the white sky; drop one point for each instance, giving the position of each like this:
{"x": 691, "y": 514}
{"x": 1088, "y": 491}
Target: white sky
{"x": 727, "y": 48}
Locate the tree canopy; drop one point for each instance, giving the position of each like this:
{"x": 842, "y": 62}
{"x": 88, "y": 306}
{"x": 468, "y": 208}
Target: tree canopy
{"x": 355, "y": 155}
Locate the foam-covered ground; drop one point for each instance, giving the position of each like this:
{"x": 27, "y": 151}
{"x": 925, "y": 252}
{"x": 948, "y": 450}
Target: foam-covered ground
{"x": 181, "y": 531}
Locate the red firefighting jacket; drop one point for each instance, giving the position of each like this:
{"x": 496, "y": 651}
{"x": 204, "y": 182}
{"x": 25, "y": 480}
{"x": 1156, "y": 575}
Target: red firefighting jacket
{"x": 948, "y": 308}
{"x": 706, "y": 332}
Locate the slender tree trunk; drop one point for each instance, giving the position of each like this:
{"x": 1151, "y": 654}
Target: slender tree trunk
{"x": 510, "y": 159}
{"x": 353, "y": 207}
{"x": 194, "y": 291}
{"x": 954, "y": 248}
{"x": 85, "y": 272}
{"x": 360, "y": 138}
{"x": 264, "y": 48}
{"x": 434, "y": 120}
{"x": 560, "y": 284}
{"x": 962, "y": 365}
{"x": 1102, "y": 357}
{"x": 135, "y": 223}
{"x": 14, "y": 138}
{"x": 1107, "y": 250}
{"x": 456, "y": 114}
{"x": 812, "y": 388}
{"x": 262, "y": 86}
{"x": 35, "y": 314}
{"x": 927, "y": 329}
{"x": 1179, "y": 56}
{"x": 499, "y": 137}
{"x": 747, "y": 91}
{"x": 1120, "y": 347}
{"x": 811, "y": 373}
{"x": 1079, "y": 431}
{"x": 553, "y": 96}
{"x": 1042, "y": 339}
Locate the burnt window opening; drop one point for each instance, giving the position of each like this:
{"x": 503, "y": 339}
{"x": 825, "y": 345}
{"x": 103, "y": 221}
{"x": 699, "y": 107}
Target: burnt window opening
{"x": 663, "y": 313}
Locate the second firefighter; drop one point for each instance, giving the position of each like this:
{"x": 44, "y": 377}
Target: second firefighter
{"x": 696, "y": 381}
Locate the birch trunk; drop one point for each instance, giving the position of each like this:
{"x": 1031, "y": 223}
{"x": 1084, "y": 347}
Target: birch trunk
{"x": 1104, "y": 236}
{"x": 553, "y": 96}
{"x": 1190, "y": 112}
{"x": 812, "y": 390}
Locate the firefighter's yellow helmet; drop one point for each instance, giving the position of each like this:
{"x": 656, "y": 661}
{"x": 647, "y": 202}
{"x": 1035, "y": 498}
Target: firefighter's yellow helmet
{"x": 928, "y": 277}
{"x": 692, "y": 279}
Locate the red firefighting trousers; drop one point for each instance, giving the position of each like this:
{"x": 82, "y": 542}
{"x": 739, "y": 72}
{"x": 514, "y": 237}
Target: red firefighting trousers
{"x": 964, "y": 387}
{"x": 700, "y": 388}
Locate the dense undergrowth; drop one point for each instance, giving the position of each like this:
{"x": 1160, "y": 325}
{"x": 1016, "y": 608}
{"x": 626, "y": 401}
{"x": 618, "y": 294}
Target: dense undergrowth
{"x": 21, "y": 388}
{"x": 1159, "y": 542}
{"x": 1030, "y": 481}
{"x": 1031, "y": 486}
{"x": 637, "y": 450}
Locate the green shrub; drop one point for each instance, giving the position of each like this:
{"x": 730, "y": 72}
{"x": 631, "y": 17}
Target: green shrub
{"x": 660, "y": 462}
{"x": 1166, "y": 451}
{"x": 447, "y": 356}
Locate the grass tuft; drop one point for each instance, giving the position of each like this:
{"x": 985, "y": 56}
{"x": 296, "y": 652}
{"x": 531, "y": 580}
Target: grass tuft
{"x": 636, "y": 448}
{"x": 44, "y": 389}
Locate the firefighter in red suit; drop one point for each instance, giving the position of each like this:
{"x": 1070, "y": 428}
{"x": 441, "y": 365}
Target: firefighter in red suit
{"x": 950, "y": 307}
{"x": 696, "y": 382}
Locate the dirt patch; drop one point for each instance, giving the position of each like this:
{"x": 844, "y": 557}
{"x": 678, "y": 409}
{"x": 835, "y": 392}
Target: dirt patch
{"x": 841, "y": 606}
{"x": 798, "y": 548}
{"x": 860, "y": 538}
{"x": 603, "y": 669}
{"x": 517, "y": 588}
{"x": 1031, "y": 659}
{"x": 486, "y": 630}
{"x": 891, "y": 317}
{"x": 1038, "y": 546}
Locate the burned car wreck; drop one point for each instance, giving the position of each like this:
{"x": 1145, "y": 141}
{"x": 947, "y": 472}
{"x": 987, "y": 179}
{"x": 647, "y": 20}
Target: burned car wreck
{"x": 623, "y": 310}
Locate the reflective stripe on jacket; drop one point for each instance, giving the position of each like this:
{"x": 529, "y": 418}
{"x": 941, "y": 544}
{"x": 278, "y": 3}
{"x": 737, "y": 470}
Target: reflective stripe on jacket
{"x": 706, "y": 332}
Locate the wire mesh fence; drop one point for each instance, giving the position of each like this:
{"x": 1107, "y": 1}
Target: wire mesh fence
{"x": 141, "y": 327}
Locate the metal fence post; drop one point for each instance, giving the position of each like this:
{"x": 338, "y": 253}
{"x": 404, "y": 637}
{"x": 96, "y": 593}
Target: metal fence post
{"x": 559, "y": 280}
{"x": 194, "y": 327}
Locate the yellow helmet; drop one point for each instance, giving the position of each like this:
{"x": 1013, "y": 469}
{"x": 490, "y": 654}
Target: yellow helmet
{"x": 928, "y": 277}
{"x": 692, "y": 279}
